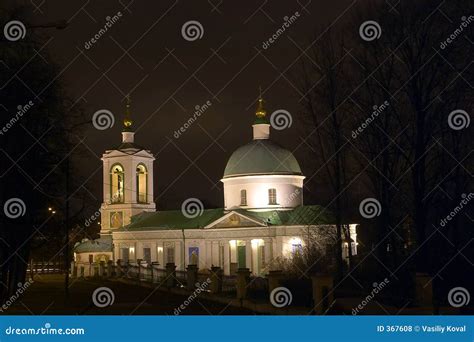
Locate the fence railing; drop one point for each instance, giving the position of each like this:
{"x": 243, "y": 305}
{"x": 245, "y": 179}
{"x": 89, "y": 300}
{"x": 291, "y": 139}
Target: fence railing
{"x": 44, "y": 267}
{"x": 241, "y": 285}
{"x": 169, "y": 276}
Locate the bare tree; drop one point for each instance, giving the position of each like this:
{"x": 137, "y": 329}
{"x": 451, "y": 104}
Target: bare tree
{"x": 36, "y": 115}
{"x": 325, "y": 94}
{"x": 380, "y": 112}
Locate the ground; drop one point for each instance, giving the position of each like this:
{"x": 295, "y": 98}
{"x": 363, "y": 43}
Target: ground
{"x": 46, "y": 297}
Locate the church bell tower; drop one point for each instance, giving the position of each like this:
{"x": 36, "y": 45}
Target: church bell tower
{"x": 127, "y": 180}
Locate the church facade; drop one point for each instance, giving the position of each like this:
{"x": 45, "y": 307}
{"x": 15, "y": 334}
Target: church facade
{"x": 264, "y": 218}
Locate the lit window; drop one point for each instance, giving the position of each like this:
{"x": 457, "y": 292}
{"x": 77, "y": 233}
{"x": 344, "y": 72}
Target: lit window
{"x": 297, "y": 249}
{"x": 141, "y": 184}
{"x": 116, "y": 184}
{"x": 243, "y": 197}
{"x": 272, "y": 196}
{"x": 170, "y": 255}
{"x": 125, "y": 254}
{"x": 147, "y": 254}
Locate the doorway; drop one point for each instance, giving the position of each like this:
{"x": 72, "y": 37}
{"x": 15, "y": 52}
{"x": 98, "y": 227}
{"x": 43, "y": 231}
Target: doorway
{"x": 241, "y": 257}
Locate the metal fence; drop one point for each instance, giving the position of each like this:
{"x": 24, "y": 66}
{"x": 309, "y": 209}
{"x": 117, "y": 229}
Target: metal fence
{"x": 45, "y": 267}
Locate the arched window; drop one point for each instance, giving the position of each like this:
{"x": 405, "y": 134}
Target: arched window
{"x": 243, "y": 197}
{"x": 142, "y": 184}
{"x": 272, "y": 196}
{"x": 116, "y": 184}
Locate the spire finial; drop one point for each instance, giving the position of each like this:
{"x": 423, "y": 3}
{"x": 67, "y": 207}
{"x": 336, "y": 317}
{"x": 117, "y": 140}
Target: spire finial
{"x": 261, "y": 112}
{"x": 127, "y": 121}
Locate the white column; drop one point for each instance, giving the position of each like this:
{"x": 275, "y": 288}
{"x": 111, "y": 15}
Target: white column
{"x": 160, "y": 253}
{"x": 153, "y": 252}
{"x": 208, "y": 254}
{"x": 179, "y": 255}
{"x": 149, "y": 166}
{"x": 248, "y": 255}
{"x": 132, "y": 252}
{"x": 116, "y": 252}
{"x": 353, "y": 234}
{"x": 138, "y": 250}
{"x": 255, "y": 258}
{"x": 233, "y": 251}
{"x": 277, "y": 247}
{"x": 226, "y": 257}
{"x": 215, "y": 253}
{"x": 268, "y": 247}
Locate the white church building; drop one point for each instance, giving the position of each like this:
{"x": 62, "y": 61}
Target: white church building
{"x": 263, "y": 219}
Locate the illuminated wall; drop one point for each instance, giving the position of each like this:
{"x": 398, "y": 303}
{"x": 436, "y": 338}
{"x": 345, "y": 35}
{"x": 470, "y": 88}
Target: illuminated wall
{"x": 289, "y": 191}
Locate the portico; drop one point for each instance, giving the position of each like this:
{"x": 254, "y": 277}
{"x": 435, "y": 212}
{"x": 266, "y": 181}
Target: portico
{"x": 230, "y": 248}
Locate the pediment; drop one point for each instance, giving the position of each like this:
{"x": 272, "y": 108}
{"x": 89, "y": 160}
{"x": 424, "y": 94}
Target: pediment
{"x": 235, "y": 220}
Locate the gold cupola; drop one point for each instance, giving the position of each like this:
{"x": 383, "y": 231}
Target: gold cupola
{"x": 261, "y": 113}
{"x": 127, "y": 133}
{"x": 127, "y": 120}
{"x": 261, "y": 125}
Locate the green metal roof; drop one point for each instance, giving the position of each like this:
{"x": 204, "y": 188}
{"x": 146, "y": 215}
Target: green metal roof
{"x": 302, "y": 215}
{"x": 261, "y": 157}
{"x": 175, "y": 220}
{"x": 172, "y": 219}
{"x": 103, "y": 244}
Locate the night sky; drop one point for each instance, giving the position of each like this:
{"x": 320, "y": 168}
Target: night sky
{"x": 401, "y": 181}
{"x": 144, "y": 54}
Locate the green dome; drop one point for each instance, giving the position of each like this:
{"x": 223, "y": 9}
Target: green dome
{"x": 261, "y": 157}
